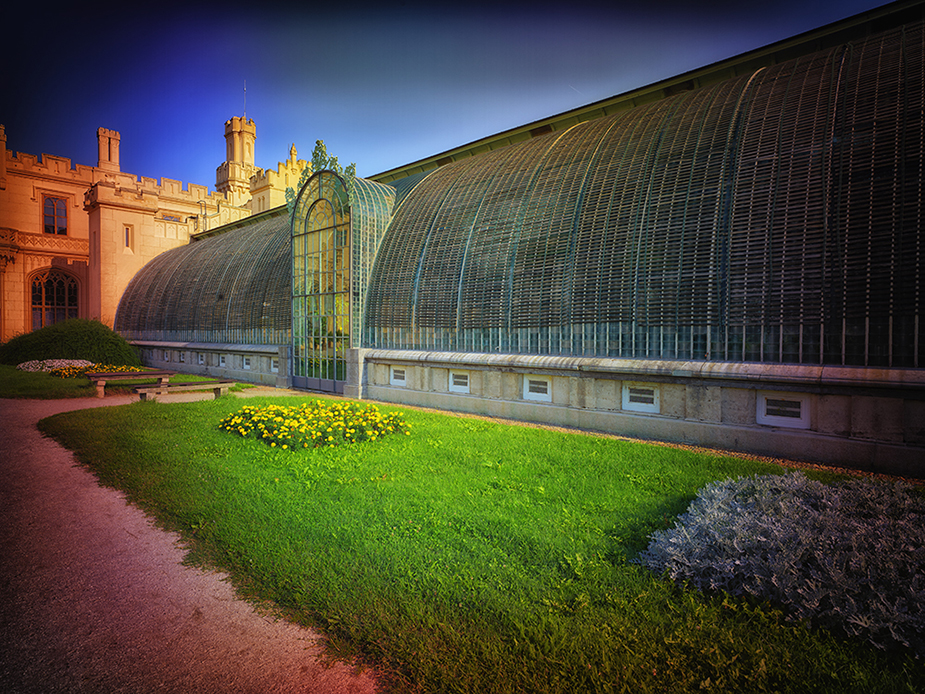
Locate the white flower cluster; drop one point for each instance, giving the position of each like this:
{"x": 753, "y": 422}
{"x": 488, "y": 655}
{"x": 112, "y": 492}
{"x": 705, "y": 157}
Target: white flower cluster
{"x": 849, "y": 556}
{"x": 51, "y": 364}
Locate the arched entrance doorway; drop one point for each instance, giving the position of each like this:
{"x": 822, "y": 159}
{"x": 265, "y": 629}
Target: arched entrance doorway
{"x": 321, "y": 284}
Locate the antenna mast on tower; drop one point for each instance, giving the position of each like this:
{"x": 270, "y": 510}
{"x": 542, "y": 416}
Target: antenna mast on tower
{"x": 245, "y": 101}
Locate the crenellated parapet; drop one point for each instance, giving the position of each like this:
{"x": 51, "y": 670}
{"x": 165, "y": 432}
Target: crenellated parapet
{"x": 48, "y": 166}
{"x": 268, "y": 187}
{"x": 119, "y": 185}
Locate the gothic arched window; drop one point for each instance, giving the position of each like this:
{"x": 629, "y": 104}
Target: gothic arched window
{"x": 54, "y": 298}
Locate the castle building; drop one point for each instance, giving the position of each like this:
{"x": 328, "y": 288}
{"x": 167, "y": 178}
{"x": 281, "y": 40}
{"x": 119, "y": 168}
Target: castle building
{"x": 72, "y": 237}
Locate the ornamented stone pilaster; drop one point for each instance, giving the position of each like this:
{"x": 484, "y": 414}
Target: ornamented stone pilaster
{"x": 9, "y": 249}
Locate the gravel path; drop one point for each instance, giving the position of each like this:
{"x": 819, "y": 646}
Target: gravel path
{"x": 93, "y": 597}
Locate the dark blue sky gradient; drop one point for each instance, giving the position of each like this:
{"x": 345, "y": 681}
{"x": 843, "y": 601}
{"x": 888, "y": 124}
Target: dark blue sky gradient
{"x": 383, "y": 85}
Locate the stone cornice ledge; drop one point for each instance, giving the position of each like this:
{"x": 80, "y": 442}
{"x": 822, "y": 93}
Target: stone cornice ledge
{"x": 796, "y": 374}
{"x": 206, "y": 346}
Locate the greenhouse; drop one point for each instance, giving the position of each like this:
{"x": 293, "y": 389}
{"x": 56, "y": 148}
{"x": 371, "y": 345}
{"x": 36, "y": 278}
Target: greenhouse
{"x": 732, "y": 257}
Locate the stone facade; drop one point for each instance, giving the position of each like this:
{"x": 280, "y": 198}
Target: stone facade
{"x": 268, "y": 187}
{"x": 108, "y": 223}
{"x": 871, "y": 419}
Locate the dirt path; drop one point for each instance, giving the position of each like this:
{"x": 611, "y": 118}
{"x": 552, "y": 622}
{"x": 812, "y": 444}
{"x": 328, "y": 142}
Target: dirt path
{"x": 93, "y": 597}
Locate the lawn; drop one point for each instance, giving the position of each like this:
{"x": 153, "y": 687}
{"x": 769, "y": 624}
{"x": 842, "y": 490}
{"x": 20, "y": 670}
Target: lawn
{"x": 469, "y": 556}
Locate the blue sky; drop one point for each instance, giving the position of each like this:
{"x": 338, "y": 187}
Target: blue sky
{"x": 382, "y": 84}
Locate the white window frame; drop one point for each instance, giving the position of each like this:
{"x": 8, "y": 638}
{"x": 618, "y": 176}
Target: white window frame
{"x": 165, "y": 356}
{"x": 635, "y": 394}
{"x": 780, "y": 420}
{"x": 535, "y": 393}
{"x": 455, "y": 382}
{"x": 398, "y": 376}
{"x": 246, "y": 363}
{"x": 274, "y": 365}
{"x": 221, "y": 360}
{"x": 200, "y": 358}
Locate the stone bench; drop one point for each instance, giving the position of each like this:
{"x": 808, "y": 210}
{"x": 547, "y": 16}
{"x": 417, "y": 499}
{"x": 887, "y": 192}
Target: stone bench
{"x": 101, "y": 379}
{"x": 151, "y": 392}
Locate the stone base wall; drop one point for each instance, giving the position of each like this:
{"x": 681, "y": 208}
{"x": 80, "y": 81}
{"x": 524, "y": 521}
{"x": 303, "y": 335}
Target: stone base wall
{"x": 263, "y": 364}
{"x": 872, "y": 419}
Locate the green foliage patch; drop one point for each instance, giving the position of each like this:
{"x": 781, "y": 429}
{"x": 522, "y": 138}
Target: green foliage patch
{"x": 848, "y": 555}
{"x": 77, "y": 338}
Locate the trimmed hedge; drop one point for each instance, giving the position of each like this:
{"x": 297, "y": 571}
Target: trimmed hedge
{"x": 77, "y": 338}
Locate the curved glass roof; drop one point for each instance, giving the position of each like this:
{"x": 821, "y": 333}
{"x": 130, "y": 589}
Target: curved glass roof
{"x": 232, "y": 287}
{"x": 773, "y": 216}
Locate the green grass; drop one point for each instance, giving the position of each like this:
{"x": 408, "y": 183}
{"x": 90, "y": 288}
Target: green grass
{"x": 470, "y": 556}
{"x": 43, "y": 386}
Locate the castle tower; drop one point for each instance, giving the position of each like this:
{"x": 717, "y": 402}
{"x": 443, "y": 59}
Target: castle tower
{"x": 233, "y": 176}
{"x": 108, "y": 145}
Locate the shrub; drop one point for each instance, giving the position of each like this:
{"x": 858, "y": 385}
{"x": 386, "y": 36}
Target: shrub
{"x": 77, "y": 338}
{"x": 314, "y": 424}
{"x": 848, "y": 556}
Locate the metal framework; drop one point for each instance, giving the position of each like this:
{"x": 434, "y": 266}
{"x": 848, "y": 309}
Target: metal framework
{"x": 335, "y": 237}
{"x": 230, "y": 288}
{"x": 773, "y": 217}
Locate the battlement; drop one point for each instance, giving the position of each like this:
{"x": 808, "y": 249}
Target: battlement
{"x": 239, "y": 124}
{"x": 107, "y": 172}
{"x": 62, "y": 169}
{"x": 48, "y": 166}
{"x": 269, "y": 177}
{"x": 268, "y": 187}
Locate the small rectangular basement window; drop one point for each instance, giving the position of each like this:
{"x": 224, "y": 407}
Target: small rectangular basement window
{"x": 538, "y": 388}
{"x": 221, "y": 360}
{"x": 247, "y": 362}
{"x": 182, "y": 356}
{"x": 459, "y": 382}
{"x": 641, "y": 397}
{"x": 274, "y": 366}
{"x": 200, "y": 358}
{"x": 397, "y": 376}
{"x": 165, "y": 356}
{"x": 790, "y": 410}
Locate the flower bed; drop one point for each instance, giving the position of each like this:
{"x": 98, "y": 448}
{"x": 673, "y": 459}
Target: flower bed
{"x": 52, "y": 364}
{"x": 75, "y": 370}
{"x": 72, "y": 368}
{"x": 314, "y": 424}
